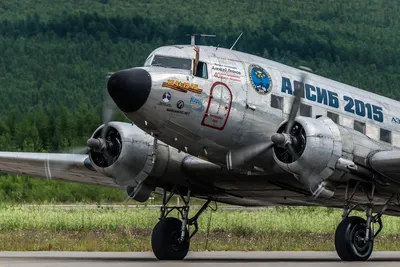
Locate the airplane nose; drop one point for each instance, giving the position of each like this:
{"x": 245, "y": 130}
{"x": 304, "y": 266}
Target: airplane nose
{"x": 129, "y": 88}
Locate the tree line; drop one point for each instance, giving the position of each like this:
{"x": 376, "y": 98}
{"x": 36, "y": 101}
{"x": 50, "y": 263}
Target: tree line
{"x": 55, "y": 54}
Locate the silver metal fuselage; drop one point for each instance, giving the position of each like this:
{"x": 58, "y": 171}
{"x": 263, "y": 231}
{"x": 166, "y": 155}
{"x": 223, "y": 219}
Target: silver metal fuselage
{"x": 229, "y": 112}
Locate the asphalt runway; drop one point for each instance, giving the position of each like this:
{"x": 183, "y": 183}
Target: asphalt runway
{"x": 223, "y": 259}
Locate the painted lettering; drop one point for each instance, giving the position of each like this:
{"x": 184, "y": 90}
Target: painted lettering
{"x": 329, "y": 98}
{"x": 333, "y": 99}
{"x": 310, "y": 93}
{"x": 286, "y": 86}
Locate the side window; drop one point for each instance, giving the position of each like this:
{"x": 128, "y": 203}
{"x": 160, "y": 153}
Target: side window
{"x": 277, "y": 102}
{"x": 333, "y": 116}
{"x": 386, "y": 136}
{"x": 359, "y": 126}
{"x": 305, "y": 110}
{"x": 202, "y": 70}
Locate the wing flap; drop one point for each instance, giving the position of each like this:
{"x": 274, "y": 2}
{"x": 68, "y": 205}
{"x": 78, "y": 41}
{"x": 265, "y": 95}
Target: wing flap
{"x": 66, "y": 167}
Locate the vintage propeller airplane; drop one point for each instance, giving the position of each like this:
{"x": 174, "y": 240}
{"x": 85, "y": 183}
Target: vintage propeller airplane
{"x": 227, "y": 126}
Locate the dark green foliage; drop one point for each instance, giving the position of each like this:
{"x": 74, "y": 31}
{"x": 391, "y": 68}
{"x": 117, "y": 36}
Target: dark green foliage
{"x": 54, "y": 54}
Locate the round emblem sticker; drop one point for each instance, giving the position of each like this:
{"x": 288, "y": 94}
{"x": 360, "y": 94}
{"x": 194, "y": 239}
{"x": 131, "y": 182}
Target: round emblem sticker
{"x": 260, "y": 79}
{"x": 166, "y": 97}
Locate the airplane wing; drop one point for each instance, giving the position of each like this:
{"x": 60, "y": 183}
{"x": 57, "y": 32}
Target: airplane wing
{"x": 66, "y": 167}
{"x": 386, "y": 163}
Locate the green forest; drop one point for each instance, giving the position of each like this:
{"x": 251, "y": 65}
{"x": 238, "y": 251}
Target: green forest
{"x": 55, "y": 55}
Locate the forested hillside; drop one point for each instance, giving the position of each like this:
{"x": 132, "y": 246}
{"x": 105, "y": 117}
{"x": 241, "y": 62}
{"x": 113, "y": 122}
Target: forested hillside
{"x": 54, "y": 54}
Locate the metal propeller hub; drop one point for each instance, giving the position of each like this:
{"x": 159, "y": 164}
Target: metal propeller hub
{"x": 290, "y": 146}
{"x": 105, "y": 151}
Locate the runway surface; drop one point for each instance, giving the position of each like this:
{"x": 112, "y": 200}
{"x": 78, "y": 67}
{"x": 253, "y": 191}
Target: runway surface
{"x": 223, "y": 259}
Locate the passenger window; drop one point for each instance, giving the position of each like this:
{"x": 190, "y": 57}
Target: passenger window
{"x": 277, "y": 102}
{"x": 202, "y": 70}
{"x": 305, "y": 110}
{"x": 359, "y": 126}
{"x": 333, "y": 116}
{"x": 386, "y": 136}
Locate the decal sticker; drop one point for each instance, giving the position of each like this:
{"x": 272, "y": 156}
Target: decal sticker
{"x": 196, "y": 104}
{"x": 178, "y": 111}
{"x": 166, "y": 97}
{"x": 180, "y": 104}
{"x": 165, "y": 100}
{"x": 226, "y": 72}
{"x": 182, "y": 86}
{"x": 219, "y": 107}
{"x": 260, "y": 79}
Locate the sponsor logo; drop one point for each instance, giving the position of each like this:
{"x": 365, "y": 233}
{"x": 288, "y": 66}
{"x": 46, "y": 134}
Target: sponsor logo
{"x": 180, "y": 104}
{"x": 178, "y": 111}
{"x": 260, "y": 79}
{"x": 165, "y": 100}
{"x": 182, "y": 86}
{"x": 166, "y": 97}
{"x": 196, "y": 104}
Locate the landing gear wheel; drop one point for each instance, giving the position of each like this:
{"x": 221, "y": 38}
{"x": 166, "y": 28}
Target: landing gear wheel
{"x": 165, "y": 240}
{"x": 350, "y": 240}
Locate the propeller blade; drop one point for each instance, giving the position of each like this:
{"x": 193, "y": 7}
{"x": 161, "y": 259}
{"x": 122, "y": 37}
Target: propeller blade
{"x": 77, "y": 150}
{"x": 108, "y": 113}
{"x": 109, "y": 109}
{"x": 238, "y": 157}
{"x": 299, "y": 94}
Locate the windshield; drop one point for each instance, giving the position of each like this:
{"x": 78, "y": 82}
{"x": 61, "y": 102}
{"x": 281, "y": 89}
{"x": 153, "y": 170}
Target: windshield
{"x": 172, "y": 62}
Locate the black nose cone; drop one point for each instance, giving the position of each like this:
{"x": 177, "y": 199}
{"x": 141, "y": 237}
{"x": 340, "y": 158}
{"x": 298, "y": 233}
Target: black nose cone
{"x": 129, "y": 88}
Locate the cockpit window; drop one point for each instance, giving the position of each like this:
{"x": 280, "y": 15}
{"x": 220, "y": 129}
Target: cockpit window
{"x": 172, "y": 62}
{"x": 147, "y": 63}
{"x": 202, "y": 70}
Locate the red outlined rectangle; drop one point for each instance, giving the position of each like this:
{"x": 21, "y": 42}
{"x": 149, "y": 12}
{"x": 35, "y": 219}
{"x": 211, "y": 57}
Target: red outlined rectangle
{"x": 217, "y": 118}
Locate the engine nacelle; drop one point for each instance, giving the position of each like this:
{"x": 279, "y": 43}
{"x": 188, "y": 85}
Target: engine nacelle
{"x": 130, "y": 156}
{"x": 319, "y": 144}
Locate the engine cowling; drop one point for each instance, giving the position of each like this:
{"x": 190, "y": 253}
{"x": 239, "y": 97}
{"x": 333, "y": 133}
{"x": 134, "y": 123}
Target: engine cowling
{"x": 320, "y": 146}
{"x": 129, "y": 156}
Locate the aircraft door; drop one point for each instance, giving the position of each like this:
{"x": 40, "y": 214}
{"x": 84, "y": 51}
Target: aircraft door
{"x": 219, "y": 106}
{"x": 227, "y": 99}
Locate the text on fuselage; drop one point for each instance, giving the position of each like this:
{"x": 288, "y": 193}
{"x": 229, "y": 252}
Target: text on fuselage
{"x": 331, "y": 99}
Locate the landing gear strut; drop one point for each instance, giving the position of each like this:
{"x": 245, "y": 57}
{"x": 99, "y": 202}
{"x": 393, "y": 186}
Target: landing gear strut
{"x": 354, "y": 236}
{"x": 170, "y": 239}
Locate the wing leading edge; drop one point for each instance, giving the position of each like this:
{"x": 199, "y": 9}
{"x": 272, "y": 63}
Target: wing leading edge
{"x": 66, "y": 167}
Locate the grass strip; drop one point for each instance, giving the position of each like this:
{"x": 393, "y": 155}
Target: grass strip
{"x": 139, "y": 240}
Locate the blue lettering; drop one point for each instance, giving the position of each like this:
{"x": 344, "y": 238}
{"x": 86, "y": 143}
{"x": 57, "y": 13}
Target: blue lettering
{"x": 322, "y": 96}
{"x": 286, "y": 86}
{"x": 309, "y": 95}
{"x": 396, "y": 120}
{"x": 360, "y": 108}
{"x": 333, "y": 99}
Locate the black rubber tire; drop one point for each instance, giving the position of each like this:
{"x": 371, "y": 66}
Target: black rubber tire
{"x": 346, "y": 244}
{"x": 164, "y": 240}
